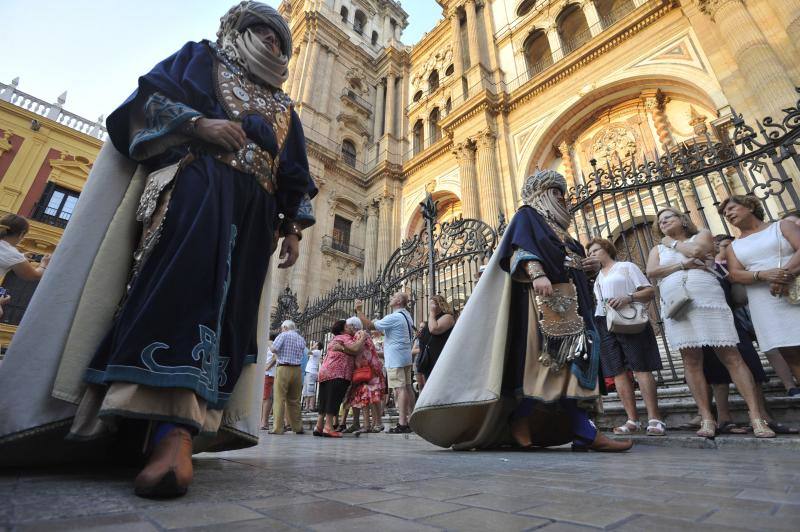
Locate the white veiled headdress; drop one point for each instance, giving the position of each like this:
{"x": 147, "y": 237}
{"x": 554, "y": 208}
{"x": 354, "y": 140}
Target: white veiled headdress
{"x": 541, "y": 191}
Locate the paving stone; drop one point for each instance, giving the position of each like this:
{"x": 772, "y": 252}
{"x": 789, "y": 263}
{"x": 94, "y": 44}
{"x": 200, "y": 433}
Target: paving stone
{"x": 311, "y": 513}
{"x": 265, "y": 523}
{"x": 371, "y": 523}
{"x": 97, "y": 523}
{"x": 664, "y": 524}
{"x": 676, "y": 510}
{"x": 281, "y": 500}
{"x": 480, "y": 520}
{"x": 182, "y": 516}
{"x": 737, "y": 518}
{"x": 770, "y": 496}
{"x": 493, "y": 501}
{"x": 413, "y": 507}
{"x": 359, "y": 496}
{"x": 581, "y": 513}
{"x": 565, "y": 527}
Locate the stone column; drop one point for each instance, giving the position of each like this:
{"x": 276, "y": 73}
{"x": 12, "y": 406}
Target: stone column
{"x": 324, "y": 94}
{"x": 760, "y": 67}
{"x": 455, "y": 29}
{"x": 554, "y": 40}
{"x": 472, "y": 34}
{"x": 491, "y": 49}
{"x": 385, "y": 224}
{"x": 569, "y": 165}
{"x": 322, "y": 212}
{"x": 391, "y": 104}
{"x": 387, "y": 29}
{"x": 379, "y": 108}
{"x": 465, "y": 155}
{"x": 309, "y": 74}
{"x": 787, "y": 14}
{"x": 298, "y": 281}
{"x": 287, "y": 87}
{"x": 371, "y": 243}
{"x": 689, "y": 196}
{"x": 592, "y": 17}
{"x": 655, "y": 103}
{"x": 488, "y": 177}
{"x": 297, "y": 73}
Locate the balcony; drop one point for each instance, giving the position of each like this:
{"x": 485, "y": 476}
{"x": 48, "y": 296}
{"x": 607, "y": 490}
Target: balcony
{"x": 342, "y": 249}
{"x": 350, "y": 96}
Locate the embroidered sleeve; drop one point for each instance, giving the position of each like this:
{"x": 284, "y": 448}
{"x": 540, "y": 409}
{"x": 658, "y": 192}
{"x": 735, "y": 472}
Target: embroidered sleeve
{"x": 163, "y": 119}
{"x": 520, "y": 257}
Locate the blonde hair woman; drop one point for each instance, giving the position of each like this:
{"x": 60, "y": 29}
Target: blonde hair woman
{"x": 434, "y": 335}
{"x": 680, "y": 263}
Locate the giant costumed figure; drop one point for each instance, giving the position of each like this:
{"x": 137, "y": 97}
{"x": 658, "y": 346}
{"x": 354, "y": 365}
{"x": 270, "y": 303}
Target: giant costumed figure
{"x": 149, "y": 331}
{"x": 524, "y": 352}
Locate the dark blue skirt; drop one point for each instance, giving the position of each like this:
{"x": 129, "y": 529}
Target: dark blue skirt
{"x": 189, "y": 319}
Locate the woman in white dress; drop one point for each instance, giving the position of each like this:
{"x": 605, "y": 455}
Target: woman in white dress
{"x": 766, "y": 258}
{"x": 310, "y": 380}
{"x": 679, "y": 261}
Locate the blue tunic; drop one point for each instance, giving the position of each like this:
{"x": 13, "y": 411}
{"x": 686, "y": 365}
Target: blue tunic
{"x": 189, "y": 318}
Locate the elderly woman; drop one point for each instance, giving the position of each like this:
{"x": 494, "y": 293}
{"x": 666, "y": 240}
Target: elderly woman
{"x": 766, "y": 259}
{"x": 228, "y": 172}
{"x": 366, "y": 396}
{"x": 681, "y": 262}
{"x": 621, "y": 286}
{"x": 525, "y": 352}
{"x": 336, "y": 373}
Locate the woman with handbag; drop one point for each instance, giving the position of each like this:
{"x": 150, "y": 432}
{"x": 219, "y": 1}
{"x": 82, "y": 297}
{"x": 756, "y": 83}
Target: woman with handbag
{"x": 627, "y": 338}
{"x": 696, "y": 314}
{"x": 433, "y": 336}
{"x": 366, "y": 390}
{"x": 766, "y": 259}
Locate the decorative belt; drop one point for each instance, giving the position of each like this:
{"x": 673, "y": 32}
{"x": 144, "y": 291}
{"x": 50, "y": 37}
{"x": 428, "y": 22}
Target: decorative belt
{"x": 253, "y": 159}
{"x": 292, "y": 365}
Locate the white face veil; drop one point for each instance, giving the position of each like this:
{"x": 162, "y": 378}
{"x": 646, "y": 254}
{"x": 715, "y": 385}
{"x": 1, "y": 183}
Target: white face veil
{"x": 544, "y": 191}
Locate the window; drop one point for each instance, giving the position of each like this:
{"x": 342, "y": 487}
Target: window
{"x": 537, "y": 52}
{"x": 419, "y": 137}
{"x": 341, "y": 233}
{"x": 450, "y": 70}
{"x": 418, "y": 96}
{"x": 359, "y": 22}
{"x": 374, "y": 38}
{"x": 611, "y": 11}
{"x": 448, "y": 106}
{"x": 434, "y": 131}
{"x": 349, "y": 153}
{"x": 344, "y": 14}
{"x": 525, "y": 7}
{"x": 573, "y": 29}
{"x": 21, "y": 292}
{"x": 55, "y": 206}
{"x": 433, "y": 81}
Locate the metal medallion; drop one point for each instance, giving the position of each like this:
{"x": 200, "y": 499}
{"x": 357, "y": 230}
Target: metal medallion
{"x": 241, "y": 94}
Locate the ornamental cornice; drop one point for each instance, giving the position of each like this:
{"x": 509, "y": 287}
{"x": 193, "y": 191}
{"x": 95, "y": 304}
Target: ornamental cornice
{"x": 529, "y": 91}
{"x": 464, "y": 152}
{"x": 427, "y": 156}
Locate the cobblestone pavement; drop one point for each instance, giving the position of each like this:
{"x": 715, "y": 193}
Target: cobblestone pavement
{"x": 387, "y": 482}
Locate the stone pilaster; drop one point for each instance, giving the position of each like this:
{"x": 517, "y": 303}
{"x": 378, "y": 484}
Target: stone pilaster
{"x": 310, "y": 73}
{"x": 472, "y": 33}
{"x": 488, "y": 177}
{"x": 297, "y": 73}
{"x": 455, "y": 30}
{"x": 592, "y": 17}
{"x": 324, "y": 95}
{"x": 379, "y": 108}
{"x": 385, "y": 224}
{"x": 758, "y": 64}
{"x": 287, "y": 87}
{"x": 554, "y": 40}
{"x": 322, "y": 209}
{"x": 371, "y": 242}
{"x": 391, "y": 105}
{"x": 465, "y": 156}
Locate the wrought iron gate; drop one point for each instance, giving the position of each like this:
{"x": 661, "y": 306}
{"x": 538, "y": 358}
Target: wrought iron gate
{"x": 619, "y": 200}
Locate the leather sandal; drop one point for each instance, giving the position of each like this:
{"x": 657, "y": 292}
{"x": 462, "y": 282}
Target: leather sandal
{"x": 168, "y": 472}
{"x": 603, "y": 444}
{"x": 708, "y": 428}
{"x": 629, "y": 427}
{"x": 761, "y": 429}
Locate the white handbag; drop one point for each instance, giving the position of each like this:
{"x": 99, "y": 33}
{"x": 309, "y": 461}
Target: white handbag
{"x": 630, "y": 319}
{"x": 676, "y": 306}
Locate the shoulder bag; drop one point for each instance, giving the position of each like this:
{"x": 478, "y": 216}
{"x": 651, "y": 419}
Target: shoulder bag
{"x": 630, "y": 319}
{"x": 793, "y": 292}
{"x": 678, "y": 303}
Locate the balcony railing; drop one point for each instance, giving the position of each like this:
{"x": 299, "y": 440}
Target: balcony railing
{"x": 353, "y": 96}
{"x": 331, "y": 244}
{"x": 576, "y": 41}
{"x": 40, "y": 215}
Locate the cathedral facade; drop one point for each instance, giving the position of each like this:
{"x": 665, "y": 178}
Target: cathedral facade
{"x": 500, "y": 87}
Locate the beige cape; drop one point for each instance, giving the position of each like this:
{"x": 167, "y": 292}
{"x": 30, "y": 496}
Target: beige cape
{"x": 41, "y": 378}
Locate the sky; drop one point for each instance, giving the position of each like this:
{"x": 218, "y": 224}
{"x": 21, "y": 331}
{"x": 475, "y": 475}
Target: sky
{"x": 95, "y": 50}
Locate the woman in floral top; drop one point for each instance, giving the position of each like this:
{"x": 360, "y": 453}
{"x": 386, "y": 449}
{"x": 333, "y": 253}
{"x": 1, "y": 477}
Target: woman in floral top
{"x": 367, "y": 395}
{"x": 335, "y": 375}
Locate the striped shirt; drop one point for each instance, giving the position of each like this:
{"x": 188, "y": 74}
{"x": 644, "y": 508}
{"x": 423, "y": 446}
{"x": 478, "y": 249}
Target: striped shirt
{"x": 289, "y": 346}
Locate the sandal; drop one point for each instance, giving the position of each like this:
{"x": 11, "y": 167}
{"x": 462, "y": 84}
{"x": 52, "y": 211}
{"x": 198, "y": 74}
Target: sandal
{"x": 729, "y": 427}
{"x": 331, "y": 434}
{"x": 351, "y": 429}
{"x": 761, "y": 429}
{"x": 708, "y": 428}
{"x": 377, "y": 429}
{"x": 656, "y": 427}
{"x": 629, "y": 427}
{"x": 780, "y": 428}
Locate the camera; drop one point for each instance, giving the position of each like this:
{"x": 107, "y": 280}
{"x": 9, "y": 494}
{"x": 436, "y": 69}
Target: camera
{"x": 36, "y": 257}
{"x": 3, "y": 292}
